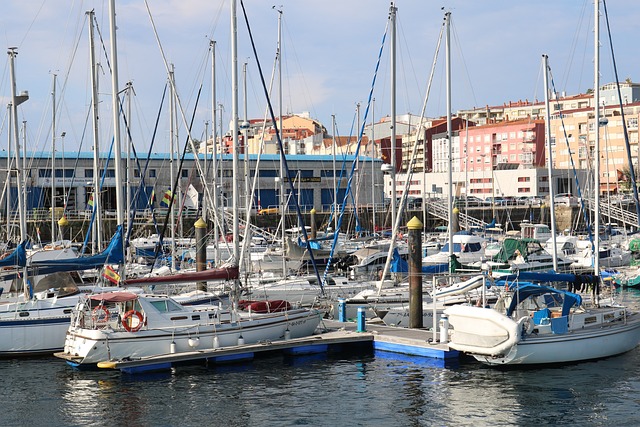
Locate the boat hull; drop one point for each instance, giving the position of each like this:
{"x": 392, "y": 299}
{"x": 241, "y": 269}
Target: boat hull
{"x": 577, "y": 346}
{"x": 91, "y": 346}
{"x": 495, "y": 339}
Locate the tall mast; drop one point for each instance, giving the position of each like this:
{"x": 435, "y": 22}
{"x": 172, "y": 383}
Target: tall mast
{"x": 172, "y": 173}
{"x": 116, "y": 114}
{"x": 245, "y": 142}
{"x": 96, "y": 145}
{"x": 335, "y": 178}
{"x": 9, "y": 170}
{"x": 234, "y": 129}
{"x": 358, "y": 171}
{"x": 53, "y": 160}
{"x": 392, "y": 15}
{"x": 214, "y": 153}
{"x": 596, "y": 105}
{"x": 15, "y": 101}
{"x": 373, "y": 172}
{"x": 115, "y": 104}
{"x": 283, "y": 234}
{"x": 447, "y": 18}
{"x": 129, "y": 92}
{"x": 545, "y": 63}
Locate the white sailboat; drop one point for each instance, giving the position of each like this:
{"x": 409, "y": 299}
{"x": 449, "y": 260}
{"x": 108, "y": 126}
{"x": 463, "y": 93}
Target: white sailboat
{"x": 122, "y": 325}
{"x": 535, "y": 324}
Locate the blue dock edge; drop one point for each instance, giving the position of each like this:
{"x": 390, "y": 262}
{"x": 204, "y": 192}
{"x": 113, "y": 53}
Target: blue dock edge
{"x": 338, "y": 337}
{"x": 416, "y": 350}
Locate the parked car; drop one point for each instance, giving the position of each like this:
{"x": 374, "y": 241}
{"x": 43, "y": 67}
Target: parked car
{"x": 566, "y": 199}
{"x": 496, "y": 201}
{"x": 509, "y": 200}
{"x": 536, "y": 201}
{"x": 471, "y": 201}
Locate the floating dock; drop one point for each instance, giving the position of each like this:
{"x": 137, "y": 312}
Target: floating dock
{"x": 335, "y": 338}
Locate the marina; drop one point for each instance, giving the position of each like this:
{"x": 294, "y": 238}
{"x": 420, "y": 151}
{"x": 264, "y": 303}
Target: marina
{"x": 459, "y": 269}
{"x": 361, "y": 385}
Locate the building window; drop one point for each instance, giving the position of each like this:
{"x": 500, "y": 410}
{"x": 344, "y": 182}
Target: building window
{"x": 267, "y": 173}
{"x": 152, "y": 173}
{"x": 184, "y": 173}
{"x": 64, "y": 173}
{"x": 88, "y": 173}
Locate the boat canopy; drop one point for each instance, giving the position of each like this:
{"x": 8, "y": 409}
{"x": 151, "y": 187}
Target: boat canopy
{"x": 524, "y": 290}
{"x": 114, "y": 296}
{"x": 524, "y": 246}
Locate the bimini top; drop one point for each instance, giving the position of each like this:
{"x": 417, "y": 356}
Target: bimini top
{"x": 524, "y": 290}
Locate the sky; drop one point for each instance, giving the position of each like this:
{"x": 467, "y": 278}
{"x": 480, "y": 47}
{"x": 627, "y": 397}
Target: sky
{"x": 329, "y": 54}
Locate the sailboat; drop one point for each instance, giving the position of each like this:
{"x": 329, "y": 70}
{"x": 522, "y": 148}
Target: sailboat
{"x": 120, "y": 326}
{"x": 123, "y": 325}
{"x": 536, "y": 324}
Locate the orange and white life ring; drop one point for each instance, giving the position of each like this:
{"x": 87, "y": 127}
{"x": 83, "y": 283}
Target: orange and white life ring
{"x": 129, "y": 323}
{"x": 100, "y": 315}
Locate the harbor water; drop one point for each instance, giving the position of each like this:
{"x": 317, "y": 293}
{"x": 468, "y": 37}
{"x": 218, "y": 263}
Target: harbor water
{"x": 357, "y": 389}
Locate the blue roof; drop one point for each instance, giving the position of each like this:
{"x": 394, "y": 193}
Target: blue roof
{"x": 190, "y": 156}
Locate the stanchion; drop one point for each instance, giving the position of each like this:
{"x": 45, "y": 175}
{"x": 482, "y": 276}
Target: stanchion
{"x": 362, "y": 316}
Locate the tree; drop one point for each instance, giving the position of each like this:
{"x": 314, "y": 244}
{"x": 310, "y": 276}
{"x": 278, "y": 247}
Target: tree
{"x": 196, "y": 143}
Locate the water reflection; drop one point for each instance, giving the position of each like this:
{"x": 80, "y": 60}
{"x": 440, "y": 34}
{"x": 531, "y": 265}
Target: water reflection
{"x": 325, "y": 390}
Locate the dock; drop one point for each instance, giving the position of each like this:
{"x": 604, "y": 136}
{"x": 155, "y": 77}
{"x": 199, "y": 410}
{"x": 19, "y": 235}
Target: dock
{"x": 334, "y": 337}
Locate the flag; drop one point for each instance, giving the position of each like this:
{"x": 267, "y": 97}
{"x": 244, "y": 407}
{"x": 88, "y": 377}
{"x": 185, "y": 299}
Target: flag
{"x": 166, "y": 198}
{"x": 111, "y": 275}
{"x": 152, "y": 199}
{"x": 191, "y": 199}
{"x": 90, "y": 202}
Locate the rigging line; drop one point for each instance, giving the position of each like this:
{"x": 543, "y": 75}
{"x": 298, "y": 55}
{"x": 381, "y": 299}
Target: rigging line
{"x": 97, "y": 191}
{"x": 177, "y": 179}
{"x": 353, "y": 164}
{"x": 573, "y": 166}
{"x": 177, "y": 97}
{"x": 280, "y": 145}
{"x": 71, "y": 60}
{"x": 33, "y": 21}
{"x": 143, "y": 172}
{"x": 300, "y": 70}
{"x": 75, "y": 167}
{"x": 414, "y": 152}
{"x": 624, "y": 122}
{"x": 342, "y": 172}
{"x": 464, "y": 63}
{"x": 410, "y": 61}
{"x": 254, "y": 184}
{"x": 573, "y": 49}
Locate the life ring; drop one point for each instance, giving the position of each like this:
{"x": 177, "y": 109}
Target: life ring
{"x": 100, "y": 315}
{"x": 127, "y": 323}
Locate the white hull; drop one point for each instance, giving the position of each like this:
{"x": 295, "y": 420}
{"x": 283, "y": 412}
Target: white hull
{"x": 496, "y": 339}
{"x": 581, "y": 346}
{"x": 149, "y": 325}
{"x": 33, "y": 336}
